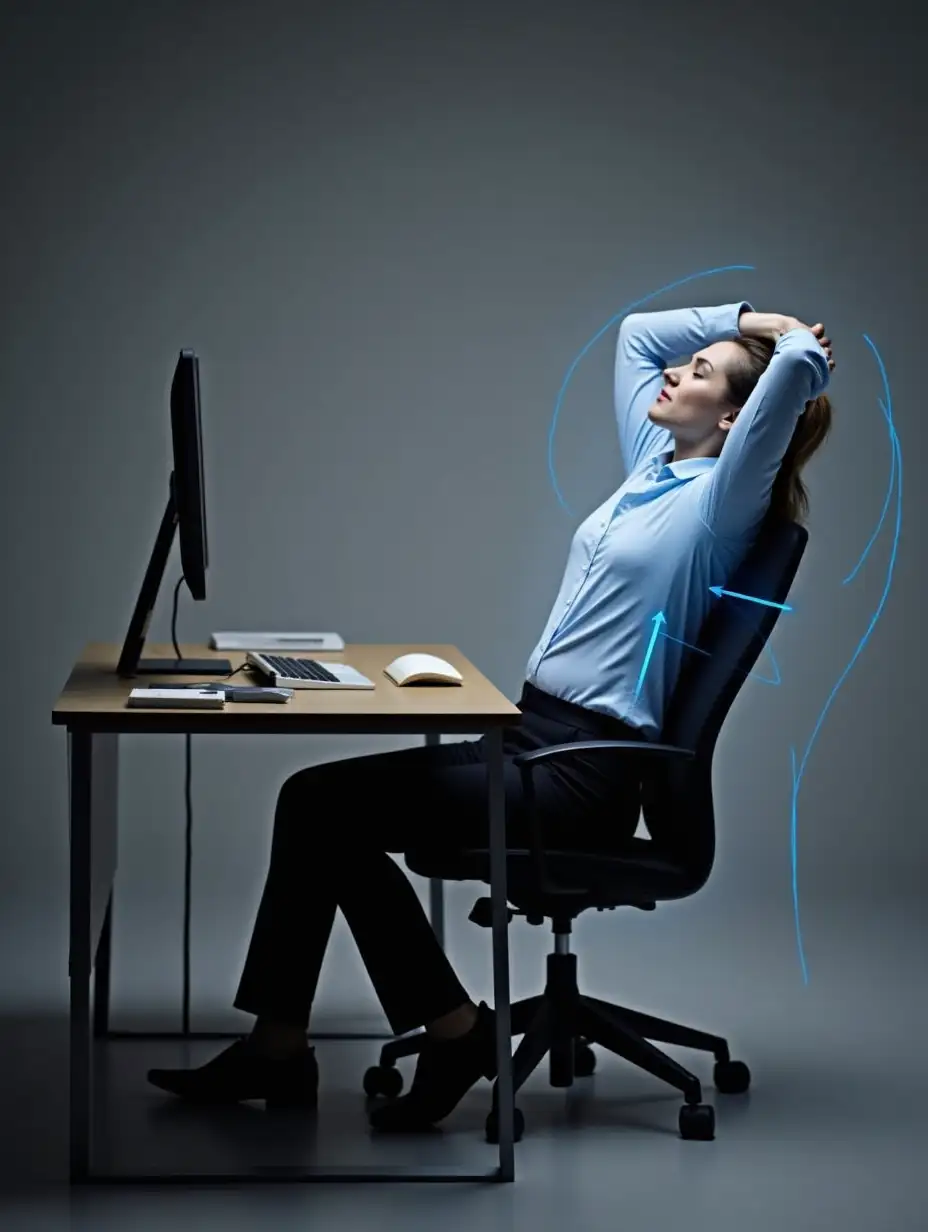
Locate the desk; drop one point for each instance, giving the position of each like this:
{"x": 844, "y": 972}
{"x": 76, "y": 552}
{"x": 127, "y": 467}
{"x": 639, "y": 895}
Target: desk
{"x": 92, "y": 708}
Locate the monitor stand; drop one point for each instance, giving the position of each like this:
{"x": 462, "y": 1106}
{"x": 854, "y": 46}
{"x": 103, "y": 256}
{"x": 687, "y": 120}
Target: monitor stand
{"x": 183, "y": 667}
{"x": 130, "y": 661}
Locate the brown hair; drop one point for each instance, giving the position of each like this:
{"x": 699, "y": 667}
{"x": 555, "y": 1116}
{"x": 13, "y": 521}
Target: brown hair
{"x": 789, "y": 498}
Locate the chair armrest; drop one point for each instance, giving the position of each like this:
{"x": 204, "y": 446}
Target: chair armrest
{"x": 525, "y": 763}
{"x": 635, "y": 747}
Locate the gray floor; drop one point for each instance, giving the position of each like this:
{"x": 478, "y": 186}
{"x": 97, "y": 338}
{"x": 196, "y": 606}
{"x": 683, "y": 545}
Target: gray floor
{"x": 834, "y": 1130}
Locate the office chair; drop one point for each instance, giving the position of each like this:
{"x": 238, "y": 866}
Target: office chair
{"x": 676, "y": 786}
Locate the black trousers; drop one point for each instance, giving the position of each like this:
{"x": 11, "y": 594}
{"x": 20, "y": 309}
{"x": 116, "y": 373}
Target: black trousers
{"x": 335, "y": 823}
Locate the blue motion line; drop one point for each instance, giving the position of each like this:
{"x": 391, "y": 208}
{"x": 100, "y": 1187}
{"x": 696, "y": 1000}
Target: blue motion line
{"x": 708, "y": 654}
{"x": 889, "y": 491}
{"x": 723, "y": 269}
{"x": 896, "y": 450}
{"x": 659, "y": 619}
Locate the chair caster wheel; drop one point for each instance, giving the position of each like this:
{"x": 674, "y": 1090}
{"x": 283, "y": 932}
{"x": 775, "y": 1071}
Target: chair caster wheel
{"x": 385, "y": 1080}
{"x": 584, "y": 1059}
{"x": 697, "y": 1122}
{"x": 518, "y": 1126}
{"x": 731, "y": 1077}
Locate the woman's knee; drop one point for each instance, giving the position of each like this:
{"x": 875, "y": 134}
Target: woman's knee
{"x": 294, "y": 806}
{"x": 325, "y": 796}
{"x": 300, "y": 788}
{"x": 356, "y": 800}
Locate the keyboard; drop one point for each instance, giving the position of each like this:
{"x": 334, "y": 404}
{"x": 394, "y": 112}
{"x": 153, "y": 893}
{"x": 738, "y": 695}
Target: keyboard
{"x": 298, "y": 669}
{"x": 287, "y": 671}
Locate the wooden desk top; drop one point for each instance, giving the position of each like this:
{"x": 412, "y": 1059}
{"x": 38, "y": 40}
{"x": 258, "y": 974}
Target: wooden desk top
{"x": 94, "y": 698}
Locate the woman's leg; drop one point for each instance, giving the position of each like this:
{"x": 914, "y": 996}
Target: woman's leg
{"x": 333, "y": 826}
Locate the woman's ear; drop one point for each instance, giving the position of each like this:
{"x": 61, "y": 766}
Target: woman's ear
{"x": 728, "y": 418}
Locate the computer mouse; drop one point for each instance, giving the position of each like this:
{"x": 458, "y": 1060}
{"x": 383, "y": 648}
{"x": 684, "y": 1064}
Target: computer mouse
{"x": 422, "y": 669}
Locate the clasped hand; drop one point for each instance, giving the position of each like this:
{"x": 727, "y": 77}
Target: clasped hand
{"x": 771, "y": 325}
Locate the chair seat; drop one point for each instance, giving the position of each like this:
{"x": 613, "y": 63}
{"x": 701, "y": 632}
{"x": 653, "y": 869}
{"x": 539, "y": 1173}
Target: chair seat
{"x": 636, "y": 877}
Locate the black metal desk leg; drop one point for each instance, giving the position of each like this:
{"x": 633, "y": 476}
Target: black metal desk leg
{"x": 79, "y": 959}
{"x": 101, "y": 975}
{"x": 497, "y": 810}
{"x": 92, "y": 800}
{"x": 436, "y": 885}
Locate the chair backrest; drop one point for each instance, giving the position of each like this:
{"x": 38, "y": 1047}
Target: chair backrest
{"x": 677, "y": 796}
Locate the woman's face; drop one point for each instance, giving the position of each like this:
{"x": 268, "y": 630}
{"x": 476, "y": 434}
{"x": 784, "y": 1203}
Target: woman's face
{"x": 694, "y": 404}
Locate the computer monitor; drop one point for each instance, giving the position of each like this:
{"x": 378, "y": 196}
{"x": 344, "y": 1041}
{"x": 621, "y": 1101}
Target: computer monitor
{"x": 186, "y": 512}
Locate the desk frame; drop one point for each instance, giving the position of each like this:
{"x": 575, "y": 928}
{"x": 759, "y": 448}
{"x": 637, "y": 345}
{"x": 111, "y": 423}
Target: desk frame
{"x": 93, "y": 745}
{"x": 103, "y": 964}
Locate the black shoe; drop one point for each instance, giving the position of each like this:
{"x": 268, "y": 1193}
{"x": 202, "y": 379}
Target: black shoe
{"x": 241, "y": 1073}
{"x": 445, "y": 1072}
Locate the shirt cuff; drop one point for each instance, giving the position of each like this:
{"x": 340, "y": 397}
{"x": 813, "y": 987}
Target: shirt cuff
{"x": 734, "y": 312}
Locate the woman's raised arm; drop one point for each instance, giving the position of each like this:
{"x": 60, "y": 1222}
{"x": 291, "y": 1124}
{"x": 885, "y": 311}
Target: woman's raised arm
{"x": 736, "y": 493}
{"x": 647, "y": 342}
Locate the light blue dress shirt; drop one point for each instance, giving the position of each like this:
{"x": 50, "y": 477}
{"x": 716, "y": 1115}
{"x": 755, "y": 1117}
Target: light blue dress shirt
{"x": 673, "y": 529}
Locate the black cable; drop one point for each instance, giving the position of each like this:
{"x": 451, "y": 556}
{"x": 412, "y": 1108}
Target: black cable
{"x": 188, "y": 861}
{"x": 188, "y": 829}
{"x": 177, "y": 654}
{"x": 188, "y": 835}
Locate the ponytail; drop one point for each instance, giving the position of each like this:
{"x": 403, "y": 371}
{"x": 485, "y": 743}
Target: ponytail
{"x": 789, "y": 499}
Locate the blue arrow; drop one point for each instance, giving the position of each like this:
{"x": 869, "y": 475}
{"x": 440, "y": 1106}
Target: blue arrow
{"x": 720, "y": 590}
{"x": 659, "y": 619}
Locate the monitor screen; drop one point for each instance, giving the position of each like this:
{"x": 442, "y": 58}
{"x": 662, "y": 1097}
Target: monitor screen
{"x": 189, "y": 486}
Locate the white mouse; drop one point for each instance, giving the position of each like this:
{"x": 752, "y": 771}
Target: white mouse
{"x": 422, "y": 669}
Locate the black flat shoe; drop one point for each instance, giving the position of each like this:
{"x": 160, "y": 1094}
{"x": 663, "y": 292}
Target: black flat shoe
{"x": 445, "y": 1071}
{"x": 239, "y": 1073}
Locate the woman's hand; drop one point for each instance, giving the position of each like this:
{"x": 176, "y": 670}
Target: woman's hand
{"x": 824, "y": 343}
{"x": 772, "y": 325}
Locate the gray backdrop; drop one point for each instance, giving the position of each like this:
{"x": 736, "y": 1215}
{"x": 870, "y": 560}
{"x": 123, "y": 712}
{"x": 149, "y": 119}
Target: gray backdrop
{"x": 387, "y": 230}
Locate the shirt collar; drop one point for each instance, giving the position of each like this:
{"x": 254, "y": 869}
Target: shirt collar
{"x": 688, "y": 468}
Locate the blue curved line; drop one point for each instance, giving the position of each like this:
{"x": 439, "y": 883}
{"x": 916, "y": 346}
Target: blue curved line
{"x": 722, "y": 269}
{"x": 889, "y": 491}
{"x": 897, "y": 453}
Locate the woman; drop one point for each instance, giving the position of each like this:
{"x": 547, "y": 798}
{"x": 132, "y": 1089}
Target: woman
{"x": 709, "y": 445}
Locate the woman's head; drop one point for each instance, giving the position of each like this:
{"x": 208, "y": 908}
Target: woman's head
{"x": 701, "y": 401}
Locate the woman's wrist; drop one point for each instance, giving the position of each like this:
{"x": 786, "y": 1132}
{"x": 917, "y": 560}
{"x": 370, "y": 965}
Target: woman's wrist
{"x": 770, "y": 325}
